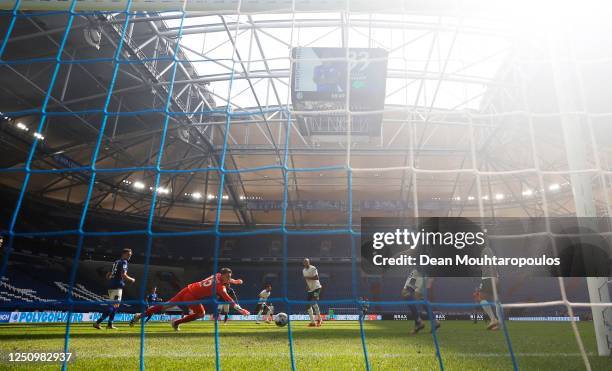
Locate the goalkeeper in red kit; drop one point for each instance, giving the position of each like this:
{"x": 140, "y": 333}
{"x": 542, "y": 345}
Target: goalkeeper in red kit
{"x": 195, "y": 292}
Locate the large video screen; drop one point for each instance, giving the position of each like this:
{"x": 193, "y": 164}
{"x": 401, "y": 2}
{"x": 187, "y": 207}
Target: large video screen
{"x": 319, "y": 83}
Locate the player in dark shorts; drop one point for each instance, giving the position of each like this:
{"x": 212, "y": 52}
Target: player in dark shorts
{"x": 263, "y": 308}
{"x": 414, "y": 289}
{"x": 224, "y": 308}
{"x": 152, "y": 299}
{"x": 313, "y": 286}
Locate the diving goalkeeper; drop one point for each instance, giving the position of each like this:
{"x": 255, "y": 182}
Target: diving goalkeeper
{"x": 195, "y": 292}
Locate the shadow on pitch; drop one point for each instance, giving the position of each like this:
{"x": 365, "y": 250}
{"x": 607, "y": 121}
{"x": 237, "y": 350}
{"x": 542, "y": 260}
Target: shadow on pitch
{"x": 300, "y": 330}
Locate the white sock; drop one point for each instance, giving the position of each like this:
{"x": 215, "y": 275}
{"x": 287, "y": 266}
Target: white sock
{"x": 488, "y": 310}
{"x": 497, "y": 309}
{"x": 316, "y": 311}
{"x": 310, "y": 314}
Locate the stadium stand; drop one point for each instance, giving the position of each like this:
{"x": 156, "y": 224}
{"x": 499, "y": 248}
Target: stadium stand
{"x": 256, "y": 259}
{"x": 9, "y": 292}
{"x": 50, "y": 284}
{"x": 79, "y": 292}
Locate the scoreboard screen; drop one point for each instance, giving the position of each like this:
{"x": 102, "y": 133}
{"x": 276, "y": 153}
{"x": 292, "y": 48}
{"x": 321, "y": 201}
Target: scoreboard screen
{"x": 319, "y": 83}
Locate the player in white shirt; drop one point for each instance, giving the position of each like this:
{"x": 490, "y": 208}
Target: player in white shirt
{"x": 414, "y": 289}
{"x": 263, "y": 308}
{"x": 311, "y": 275}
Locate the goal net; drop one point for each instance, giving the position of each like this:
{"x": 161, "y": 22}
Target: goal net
{"x": 233, "y": 120}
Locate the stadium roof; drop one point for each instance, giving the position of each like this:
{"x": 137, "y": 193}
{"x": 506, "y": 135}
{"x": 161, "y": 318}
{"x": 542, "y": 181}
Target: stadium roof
{"x": 454, "y": 81}
{"x": 437, "y": 62}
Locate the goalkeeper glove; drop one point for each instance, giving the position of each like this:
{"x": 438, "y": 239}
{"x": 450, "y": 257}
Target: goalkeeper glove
{"x": 239, "y": 309}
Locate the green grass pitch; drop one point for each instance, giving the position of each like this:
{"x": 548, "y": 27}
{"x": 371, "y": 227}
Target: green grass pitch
{"x": 335, "y": 346}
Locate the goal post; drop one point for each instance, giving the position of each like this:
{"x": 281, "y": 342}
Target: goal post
{"x": 571, "y": 100}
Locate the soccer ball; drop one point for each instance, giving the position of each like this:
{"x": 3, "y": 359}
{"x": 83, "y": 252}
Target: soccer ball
{"x": 281, "y": 319}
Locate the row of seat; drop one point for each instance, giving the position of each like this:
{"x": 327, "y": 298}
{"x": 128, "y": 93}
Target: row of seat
{"x": 18, "y": 294}
{"x": 79, "y": 291}
{"x": 10, "y": 293}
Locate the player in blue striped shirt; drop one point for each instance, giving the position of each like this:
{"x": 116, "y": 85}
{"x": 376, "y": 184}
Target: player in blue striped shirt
{"x": 116, "y": 281}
